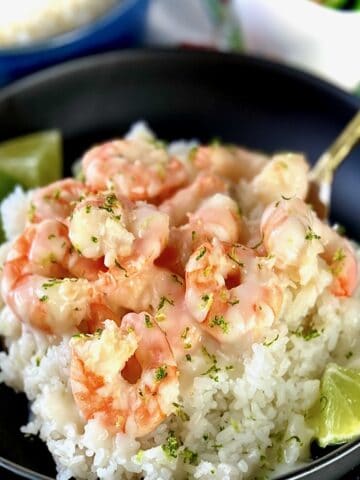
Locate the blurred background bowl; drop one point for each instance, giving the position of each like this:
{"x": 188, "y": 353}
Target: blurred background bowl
{"x": 123, "y": 25}
{"x": 305, "y": 34}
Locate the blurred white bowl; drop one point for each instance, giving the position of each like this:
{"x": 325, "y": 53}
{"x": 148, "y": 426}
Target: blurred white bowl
{"x": 305, "y": 34}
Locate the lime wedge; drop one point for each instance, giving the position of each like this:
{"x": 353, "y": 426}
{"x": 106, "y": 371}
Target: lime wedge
{"x": 33, "y": 160}
{"x": 336, "y": 418}
{"x": 334, "y": 3}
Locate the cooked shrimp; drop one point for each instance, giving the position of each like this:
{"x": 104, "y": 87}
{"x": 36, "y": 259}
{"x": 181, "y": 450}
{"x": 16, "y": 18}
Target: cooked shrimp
{"x": 289, "y": 229}
{"x": 98, "y": 312}
{"x": 231, "y": 292}
{"x": 35, "y": 283}
{"x": 136, "y": 169}
{"x": 341, "y": 258}
{"x": 230, "y": 161}
{"x": 122, "y": 233}
{"x": 56, "y": 201}
{"x": 158, "y": 291}
{"x": 188, "y": 199}
{"x": 125, "y": 376}
{"x": 137, "y": 290}
{"x": 296, "y": 237}
{"x": 217, "y": 217}
{"x": 284, "y": 175}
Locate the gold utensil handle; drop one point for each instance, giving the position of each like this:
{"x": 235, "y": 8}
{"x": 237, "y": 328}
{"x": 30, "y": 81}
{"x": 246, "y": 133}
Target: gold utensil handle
{"x": 329, "y": 161}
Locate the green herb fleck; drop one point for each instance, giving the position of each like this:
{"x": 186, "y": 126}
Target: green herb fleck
{"x": 201, "y": 253}
{"x": 212, "y": 372}
{"x": 307, "y": 335}
{"x": 349, "y": 355}
{"x": 233, "y": 302}
{"x": 179, "y": 410}
{"x": 121, "y": 267}
{"x": 296, "y": 438}
{"x": 189, "y": 457}
{"x": 51, "y": 283}
{"x": 88, "y": 208}
{"x": 164, "y": 300}
{"x": 208, "y": 355}
{"x": 270, "y": 342}
{"x": 206, "y": 301}
{"x": 217, "y": 446}
{"x": 109, "y": 203}
{"x": 259, "y": 243}
{"x": 160, "y": 373}
{"x": 234, "y": 259}
{"x": 183, "y": 336}
{"x": 44, "y": 298}
{"x": 148, "y": 322}
{"x": 171, "y": 447}
{"x": 176, "y": 279}
{"x": 51, "y": 236}
{"x": 339, "y": 255}
{"x": 81, "y": 335}
{"x": 311, "y": 235}
{"x": 188, "y": 357}
{"x": 94, "y": 239}
{"x": 219, "y": 321}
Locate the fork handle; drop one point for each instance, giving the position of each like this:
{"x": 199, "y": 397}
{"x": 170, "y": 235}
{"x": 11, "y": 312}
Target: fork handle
{"x": 323, "y": 170}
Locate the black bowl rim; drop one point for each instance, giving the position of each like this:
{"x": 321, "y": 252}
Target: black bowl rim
{"x": 199, "y": 56}
{"x": 111, "y": 14}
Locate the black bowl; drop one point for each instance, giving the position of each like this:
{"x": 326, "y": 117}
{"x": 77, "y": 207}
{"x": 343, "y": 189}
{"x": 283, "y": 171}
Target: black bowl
{"x": 240, "y": 99}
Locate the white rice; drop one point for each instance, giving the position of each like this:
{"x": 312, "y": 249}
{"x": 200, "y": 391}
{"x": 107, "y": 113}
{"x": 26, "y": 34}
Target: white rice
{"x": 24, "y": 21}
{"x": 243, "y": 419}
{"x": 251, "y": 415}
{"x": 14, "y": 212}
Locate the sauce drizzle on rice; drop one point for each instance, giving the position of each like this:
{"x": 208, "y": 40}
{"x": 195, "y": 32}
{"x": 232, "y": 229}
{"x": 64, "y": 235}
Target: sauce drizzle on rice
{"x": 171, "y": 316}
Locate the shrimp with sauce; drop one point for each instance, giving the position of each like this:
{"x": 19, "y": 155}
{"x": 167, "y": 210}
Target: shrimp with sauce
{"x": 188, "y": 199}
{"x": 229, "y": 161}
{"x": 297, "y": 238}
{"x": 231, "y": 292}
{"x": 40, "y": 280}
{"x": 157, "y": 291}
{"x": 56, "y": 201}
{"x": 125, "y": 376}
{"x": 217, "y": 217}
{"x": 283, "y": 176}
{"x": 125, "y": 234}
{"x": 135, "y": 169}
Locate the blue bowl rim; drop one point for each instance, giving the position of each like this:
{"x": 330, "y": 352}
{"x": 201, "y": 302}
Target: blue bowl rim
{"x": 146, "y": 55}
{"x": 64, "y": 39}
